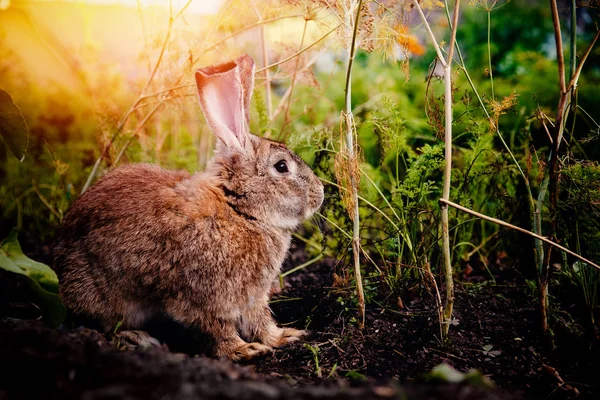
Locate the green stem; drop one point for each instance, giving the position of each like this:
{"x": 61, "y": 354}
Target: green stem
{"x": 489, "y": 46}
{"x": 349, "y": 122}
{"x": 573, "y": 41}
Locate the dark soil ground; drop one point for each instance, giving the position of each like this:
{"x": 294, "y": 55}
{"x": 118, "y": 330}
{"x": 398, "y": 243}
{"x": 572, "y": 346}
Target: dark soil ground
{"x": 496, "y": 332}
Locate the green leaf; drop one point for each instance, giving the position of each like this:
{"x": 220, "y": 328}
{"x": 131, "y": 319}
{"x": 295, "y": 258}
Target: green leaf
{"x": 41, "y": 279}
{"x": 13, "y": 127}
{"x": 446, "y": 373}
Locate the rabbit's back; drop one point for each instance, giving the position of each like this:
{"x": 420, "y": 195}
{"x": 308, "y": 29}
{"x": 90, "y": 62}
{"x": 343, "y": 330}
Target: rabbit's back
{"x": 108, "y": 237}
{"x": 144, "y": 239}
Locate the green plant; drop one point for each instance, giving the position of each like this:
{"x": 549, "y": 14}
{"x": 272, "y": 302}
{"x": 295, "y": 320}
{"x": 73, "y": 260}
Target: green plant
{"x": 315, "y": 355}
{"x": 355, "y": 376}
{"x": 40, "y": 278}
{"x": 13, "y": 127}
{"x": 446, "y": 373}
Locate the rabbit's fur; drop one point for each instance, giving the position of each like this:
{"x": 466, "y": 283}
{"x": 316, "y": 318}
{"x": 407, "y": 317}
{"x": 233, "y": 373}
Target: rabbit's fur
{"x": 203, "y": 249}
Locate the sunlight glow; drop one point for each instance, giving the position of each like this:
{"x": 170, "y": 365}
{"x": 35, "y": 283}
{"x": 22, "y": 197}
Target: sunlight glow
{"x": 57, "y": 40}
{"x": 195, "y": 7}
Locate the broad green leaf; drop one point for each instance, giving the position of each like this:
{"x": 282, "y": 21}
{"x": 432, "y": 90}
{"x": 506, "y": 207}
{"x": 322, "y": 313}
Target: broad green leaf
{"x": 13, "y": 127}
{"x": 42, "y": 280}
{"x": 446, "y": 373}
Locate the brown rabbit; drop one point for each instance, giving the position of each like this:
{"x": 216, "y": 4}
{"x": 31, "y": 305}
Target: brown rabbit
{"x": 203, "y": 249}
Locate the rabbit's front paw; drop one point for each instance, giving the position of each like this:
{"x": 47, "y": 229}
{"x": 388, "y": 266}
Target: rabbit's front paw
{"x": 281, "y": 336}
{"x": 249, "y": 350}
{"x": 290, "y": 335}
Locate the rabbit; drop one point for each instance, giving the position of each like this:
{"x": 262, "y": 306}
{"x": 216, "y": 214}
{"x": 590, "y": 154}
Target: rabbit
{"x": 201, "y": 248}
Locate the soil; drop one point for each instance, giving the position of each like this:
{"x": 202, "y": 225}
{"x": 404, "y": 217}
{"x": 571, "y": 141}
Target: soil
{"x": 496, "y": 331}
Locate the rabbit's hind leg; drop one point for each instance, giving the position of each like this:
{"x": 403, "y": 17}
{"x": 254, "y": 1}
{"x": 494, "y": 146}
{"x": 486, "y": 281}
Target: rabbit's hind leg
{"x": 258, "y": 322}
{"x": 227, "y": 341}
{"x": 135, "y": 339}
{"x": 135, "y": 314}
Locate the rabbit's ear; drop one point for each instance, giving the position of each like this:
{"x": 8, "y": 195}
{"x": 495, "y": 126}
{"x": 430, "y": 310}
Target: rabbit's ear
{"x": 224, "y": 92}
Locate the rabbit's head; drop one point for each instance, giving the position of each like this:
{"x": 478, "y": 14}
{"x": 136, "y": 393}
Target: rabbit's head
{"x": 262, "y": 179}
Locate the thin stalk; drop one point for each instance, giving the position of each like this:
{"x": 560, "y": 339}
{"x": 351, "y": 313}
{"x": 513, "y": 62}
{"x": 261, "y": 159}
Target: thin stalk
{"x": 559, "y": 46}
{"x": 577, "y": 74}
{"x": 489, "y": 46}
{"x": 554, "y": 167}
{"x": 316, "y": 42}
{"x": 244, "y": 29}
{"x": 448, "y": 175}
{"x": 485, "y": 111}
{"x": 537, "y": 223}
{"x": 136, "y": 132}
{"x": 573, "y": 39}
{"x": 406, "y": 239}
{"x": 283, "y": 100}
{"x": 447, "y": 65}
{"x": 123, "y": 120}
{"x": 351, "y": 154}
{"x": 373, "y": 206}
{"x": 339, "y": 228}
{"x": 286, "y": 119}
{"x": 298, "y": 268}
{"x": 45, "y": 201}
{"x": 265, "y": 57}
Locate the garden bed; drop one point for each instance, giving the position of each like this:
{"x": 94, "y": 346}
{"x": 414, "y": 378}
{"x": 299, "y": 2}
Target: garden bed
{"x": 496, "y": 332}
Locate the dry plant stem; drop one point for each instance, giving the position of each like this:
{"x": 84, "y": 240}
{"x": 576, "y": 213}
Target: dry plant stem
{"x": 438, "y": 301}
{"x": 349, "y": 120}
{"x": 136, "y": 132}
{"x": 316, "y": 42}
{"x": 447, "y": 65}
{"x": 45, "y": 201}
{"x": 564, "y": 105}
{"x": 559, "y": 47}
{"x": 254, "y": 25}
{"x": 140, "y": 98}
{"x": 448, "y": 175}
{"x": 516, "y": 228}
{"x": 265, "y": 56}
{"x": 286, "y": 119}
{"x": 554, "y": 168}
{"x": 284, "y": 98}
{"x": 485, "y": 111}
{"x": 577, "y": 74}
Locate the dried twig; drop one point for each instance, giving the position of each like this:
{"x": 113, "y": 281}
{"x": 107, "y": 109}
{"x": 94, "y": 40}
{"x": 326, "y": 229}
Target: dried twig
{"x": 516, "y": 228}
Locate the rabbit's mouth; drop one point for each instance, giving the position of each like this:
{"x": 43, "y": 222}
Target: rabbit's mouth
{"x": 316, "y": 200}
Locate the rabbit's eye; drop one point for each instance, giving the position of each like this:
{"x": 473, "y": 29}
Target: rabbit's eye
{"x": 281, "y": 167}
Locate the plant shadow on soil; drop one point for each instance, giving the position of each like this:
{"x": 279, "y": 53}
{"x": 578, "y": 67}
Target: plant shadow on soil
{"x": 496, "y": 333}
